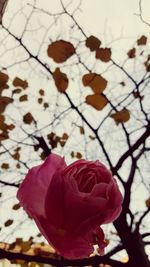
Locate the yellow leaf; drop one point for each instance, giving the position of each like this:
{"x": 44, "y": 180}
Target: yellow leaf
{"x": 95, "y": 81}
{"x": 60, "y": 51}
{"x": 96, "y": 101}
{"x": 61, "y": 80}
{"x": 104, "y": 54}
{"x": 121, "y": 116}
{"x": 93, "y": 43}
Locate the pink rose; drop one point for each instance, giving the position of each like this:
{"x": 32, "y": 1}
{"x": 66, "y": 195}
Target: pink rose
{"x": 69, "y": 203}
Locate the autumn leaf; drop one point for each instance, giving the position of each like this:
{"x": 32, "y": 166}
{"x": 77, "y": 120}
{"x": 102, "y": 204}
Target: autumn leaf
{"x": 142, "y": 40}
{"x": 96, "y": 101}
{"x": 61, "y": 80}
{"x": 93, "y": 43}
{"x": 132, "y": 53}
{"x": 23, "y": 98}
{"x": 3, "y": 4}
{"x": 41, "y": 92}
{"x": 17, "y": 82}
{"x": 147, "y": 202}
{"x": 121, "y": 116}
{"x": 28, "y": 118}
{"x": 104, "y": 54}
{"x": 8, "y": 223}
{"x": 60, "y": 51}
{"x": 3, "y": 81}
{"x": 4, "y": 101}
{"x": 16, "y": 206}
{"x": 95, "y": 81}
{"x": 5, "y": 166}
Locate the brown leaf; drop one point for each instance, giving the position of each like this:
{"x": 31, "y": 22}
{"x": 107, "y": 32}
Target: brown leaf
{"x": 95, "y": 81}
{"x": 17, "y": 82}
{"x": 16, "y": 155}
{"x": 61, "y": 80}
{"x": 132, "y": 53}
{"x": 104, "y": 54}
{"x": 23, "y": 98}
{"x": 96, "y": 101}
{"x": 142, "y": 40}
{"x": 28, "y": 118}
{"x": 60, "y": 51}
{"x": 8, "y": 223}
{"x": 3, "y": 81}
{"x": 121, "y": 116}
{"x": 5, "y": 166}
{"x": 41, "y": 92}
{"x": 81, "y": 130}
{"x": 147, "y": 202}
{"x": 17, "y": 91}
{"x": 78, "y": 155}
{"x": 137, "y": 95}
{"x": 4, "y": 101}
{"x": 3, "y": 4}
{"x": 93, "y": 43}
{"x": 16, "y": 206}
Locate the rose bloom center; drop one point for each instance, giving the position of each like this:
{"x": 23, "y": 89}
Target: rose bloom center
{"x": 86, "y": 180}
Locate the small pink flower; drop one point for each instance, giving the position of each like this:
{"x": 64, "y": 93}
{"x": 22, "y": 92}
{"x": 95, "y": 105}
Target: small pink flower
{"x": 69, "y": 203}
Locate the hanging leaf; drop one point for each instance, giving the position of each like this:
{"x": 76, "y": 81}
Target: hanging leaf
{"x": 3, "y": 4}
{"x": 16, "y": 206}
{"x": 17, "y": 82}
{"x": 142, "y": 40}
{"x": 104, "y": 54}
{"x": 61, "y": 80}
{"x": 3, "y": 81}
{"x": 8, "y": 223}
{"x": 28, "y": 118}
{"x": 4, "y": 101}
{"x": 147, "y": 202}
{"x": 95, "y": 81}
{"x": 60, "y": 51}
{"x": 93, "y": 43}
{"x": 41, "y": 92}
{"x": 5, "y": 166}
{"x": 121, "y": 116}
{"x": 96, "y": 101}
{"x": 23, "y": 98}
{"x": 132, "y": 53}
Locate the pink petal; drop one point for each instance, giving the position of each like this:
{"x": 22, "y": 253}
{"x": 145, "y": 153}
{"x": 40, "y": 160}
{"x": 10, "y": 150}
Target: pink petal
{"x": 33, "y": 189}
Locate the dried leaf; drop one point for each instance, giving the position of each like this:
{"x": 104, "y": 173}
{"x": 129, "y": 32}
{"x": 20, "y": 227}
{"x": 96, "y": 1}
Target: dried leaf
{"x": 20, "y": 83}
{"x": 3, "y": 81}
{"x": 104, "y": 54}
{"x": 93, "y": 43}
{"x": 5, "y": 166}
{"x": 142, "y": 40}
{"x": 95, "y": 81}
{"x": 16, "y": 206}
{"x": 81, "y": 130}
{"x": 4, "y": 101}
{"x": 28, "y": 118}
{"x": 23, "y": 98}
{"x": 147, "y": 202}
{"x": 60, "y": 51}
{"x": 96, "y": 101}
{"x": 132, "y": 53}
{"x": 121, "y": 116}
{"x": 16, "y": 155}
{"x": 61, "y": 80}
{"x": 3, "y": 4}
{"x": 41, "y": 92}
{"x": 8, "y": 223}
{"x": 78, "y": 155}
